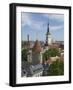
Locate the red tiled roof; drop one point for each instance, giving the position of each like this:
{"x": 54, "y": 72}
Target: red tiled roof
{"x": 37, "y": 47}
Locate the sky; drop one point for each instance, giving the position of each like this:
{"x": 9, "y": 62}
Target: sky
{"x": 36, "y": 24}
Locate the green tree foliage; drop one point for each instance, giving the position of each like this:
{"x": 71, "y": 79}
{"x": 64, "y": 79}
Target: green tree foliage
{"x": 56, "y": 68}
{"x": 24, "y": 50}
{"x": 24, "y": 44}
{"x": 45, "y": 55}
{"x": 52, "y": 52}
{"x": 24, "y": 55}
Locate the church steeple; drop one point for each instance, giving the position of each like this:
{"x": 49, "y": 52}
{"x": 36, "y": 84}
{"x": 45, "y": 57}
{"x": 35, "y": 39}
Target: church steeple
{"x": 48, "y": 32}
{"x": 48, "y": 36}
{"x": 29, "y": 42}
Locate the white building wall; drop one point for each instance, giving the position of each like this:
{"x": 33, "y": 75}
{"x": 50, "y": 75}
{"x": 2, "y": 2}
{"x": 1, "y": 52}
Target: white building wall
{"x": 29, "y": 57}
{"x": 41, "y": 57}
{"x": 49, "y": 40}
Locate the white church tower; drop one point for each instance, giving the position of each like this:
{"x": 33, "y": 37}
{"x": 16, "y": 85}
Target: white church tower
{"x": 48, "y": 37}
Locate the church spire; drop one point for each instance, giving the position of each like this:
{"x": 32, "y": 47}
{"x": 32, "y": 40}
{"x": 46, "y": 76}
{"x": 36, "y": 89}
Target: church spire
{"x": 48, "y": 33}
{"x": 48, "y": 36}
{"x": 48, "y": 28}
{"x": 29, "y": 42}
{"x": 28, "y": 37}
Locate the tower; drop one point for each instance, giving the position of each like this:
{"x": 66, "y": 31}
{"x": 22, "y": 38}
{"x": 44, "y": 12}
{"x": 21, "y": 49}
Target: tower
{"x": 29, "y": 45}
{"x": 48, "y": 37}
{"x": 37, "y": 53}
{"x": 29, "y": 54}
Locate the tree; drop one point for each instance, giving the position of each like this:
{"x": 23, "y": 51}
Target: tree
{"x": 24, "y": 44}
{"x": 52, "y": 52}
{"x": 56, "y": 68}
{"x": 46, "y": 55}
{"x": 24, "y": 55}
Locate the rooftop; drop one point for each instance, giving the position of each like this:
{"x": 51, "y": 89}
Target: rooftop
{"x": 37, "y": 47}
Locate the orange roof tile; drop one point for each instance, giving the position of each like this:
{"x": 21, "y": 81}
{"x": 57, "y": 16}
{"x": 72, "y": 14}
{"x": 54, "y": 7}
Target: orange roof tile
{"x": 37, "y": 47}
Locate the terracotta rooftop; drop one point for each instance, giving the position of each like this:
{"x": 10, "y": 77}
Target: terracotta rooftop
{"x": 37, "y": 47}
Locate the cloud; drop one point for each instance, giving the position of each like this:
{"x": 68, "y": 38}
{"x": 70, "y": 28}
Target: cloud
{"x": 56, "y": 16}
{"x": 38, "y": 25}
{"x": 53, "y": 16}
{"x": 25, "y": 19}
{"x": 54, "y": 28}
{"x": 32, "y": 23}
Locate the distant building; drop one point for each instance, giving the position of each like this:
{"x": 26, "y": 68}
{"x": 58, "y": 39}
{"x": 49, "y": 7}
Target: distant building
{"x": 37, "y": 53}
{"x": 29, "y": 56}
{"x": 48, "y": 37}
{"x": 30, "y": 70}
{"x": 35, "y": 65}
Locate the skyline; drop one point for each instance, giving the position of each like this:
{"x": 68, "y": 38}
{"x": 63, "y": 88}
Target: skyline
{"x": 35, "y": 24}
